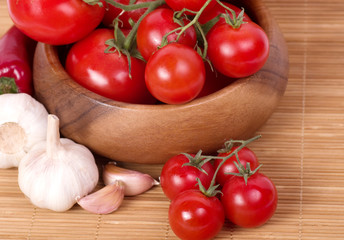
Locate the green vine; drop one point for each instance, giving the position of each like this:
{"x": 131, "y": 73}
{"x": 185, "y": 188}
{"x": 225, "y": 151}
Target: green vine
{"x": 127, "y": 44}
{"x": 244, "y": 172}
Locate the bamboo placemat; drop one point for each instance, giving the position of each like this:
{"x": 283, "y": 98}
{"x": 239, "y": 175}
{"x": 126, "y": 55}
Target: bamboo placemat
{"x": 302, "y": 150}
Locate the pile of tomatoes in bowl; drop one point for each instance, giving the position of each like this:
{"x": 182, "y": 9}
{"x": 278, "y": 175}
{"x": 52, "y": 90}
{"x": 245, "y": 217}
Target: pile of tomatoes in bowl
{"x": 148, "y": 51}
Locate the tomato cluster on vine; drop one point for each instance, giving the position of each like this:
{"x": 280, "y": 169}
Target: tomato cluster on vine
{"x": 148, "y": 51}
{"x": 206, "y": 190}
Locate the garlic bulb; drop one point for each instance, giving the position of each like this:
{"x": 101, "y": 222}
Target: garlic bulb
{"x": 23, "y": 123}
{"x": 57, "y": 171}
{"x": 134, "y": 182}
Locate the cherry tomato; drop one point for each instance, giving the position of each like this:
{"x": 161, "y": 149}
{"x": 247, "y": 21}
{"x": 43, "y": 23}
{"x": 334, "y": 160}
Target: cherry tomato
{"x": 55, "y": 22}
{"x": 107, "y": 74}
{"x": 154, "y": 26}
{"x": 194, "y": 216}
{"x": 214, "y": 81}
{"x": 218, "y": 9}
{"x": 176, "y": 178}
{"x": 238, "y": 52}
{"x": 175, "y": 74}
{"x": 193, "y": 5}
{"x": 249, "y": 205}
{"x": 113, "y": 12}
{"x": 245, "y": 155}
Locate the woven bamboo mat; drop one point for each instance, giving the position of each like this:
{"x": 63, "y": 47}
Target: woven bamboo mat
{"x": 302, "y": 150}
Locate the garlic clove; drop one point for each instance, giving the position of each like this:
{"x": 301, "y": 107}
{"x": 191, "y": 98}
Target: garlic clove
{"x": 134, "y": 182}
{"x": 104, "y": 201}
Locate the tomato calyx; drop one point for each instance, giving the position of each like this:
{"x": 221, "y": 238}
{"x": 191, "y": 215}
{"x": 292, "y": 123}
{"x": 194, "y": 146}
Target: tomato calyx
{"x": 8, "y": 85}
{"x": 197, "y": 161}
{"x": 212, "y": 190}
{"x": 244, "y": 172}
{"x": 125, "y": 44}
{"x": 234, "y": 21}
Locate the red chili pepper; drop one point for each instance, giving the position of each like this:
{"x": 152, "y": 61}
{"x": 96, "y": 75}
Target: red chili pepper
{"x": 16, "y": 56}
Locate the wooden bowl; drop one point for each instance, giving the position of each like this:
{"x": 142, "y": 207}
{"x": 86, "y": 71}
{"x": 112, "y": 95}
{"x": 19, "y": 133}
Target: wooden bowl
{"x": 136, "y": 133}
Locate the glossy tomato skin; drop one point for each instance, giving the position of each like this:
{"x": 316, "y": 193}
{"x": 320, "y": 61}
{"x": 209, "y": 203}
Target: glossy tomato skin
{"x": 249, "y": 205}
{"x": 55, "y": 22}
{"x": 238, "y": 52}
{"x": 154, "y": 26}
{"x": 107, "y": 74}
{"x": 214, "y": 81}
{"x": 246, "y": 155}
{"x": 193, "y": 5}
{"x": 176, "y": 178}
{"x": 112, "y": 12}
{"x": 194, "y": 216}
{"x": 175, "y": 74}
{"x": 218, "y": 9}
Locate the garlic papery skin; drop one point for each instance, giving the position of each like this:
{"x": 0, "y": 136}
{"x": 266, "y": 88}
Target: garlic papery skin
{"x": 23, "y": 123}
{"x": 56, "y": 171}
{"x": 104, "y": 201}
{"x": 134, "y": 182}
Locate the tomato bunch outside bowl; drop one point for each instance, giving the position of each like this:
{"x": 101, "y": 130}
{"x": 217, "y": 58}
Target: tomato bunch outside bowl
{"x": 152, "y": 133}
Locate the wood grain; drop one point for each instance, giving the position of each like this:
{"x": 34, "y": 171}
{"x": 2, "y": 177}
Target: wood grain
{"x": 153, "y": 133}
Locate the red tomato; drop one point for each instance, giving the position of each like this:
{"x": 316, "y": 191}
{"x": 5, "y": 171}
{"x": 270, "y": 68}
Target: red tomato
{"x": 176, "y": 178}
{"x": 55, "y": 22}
{"x": 249, "y": 205}
{"x": 107, "y": 74}
{"x": 218, "y": 9}
{"x": 238, "y": 52}
{"x": 194, "y": 216}
{"x": 245, "y": 155}
{"x": 214, "y": 81}
{"x": 193, "y": 5}
{"x": 154, "y": 26}
{"x": 112, "y": 12}
{"x": 175, "y": 74}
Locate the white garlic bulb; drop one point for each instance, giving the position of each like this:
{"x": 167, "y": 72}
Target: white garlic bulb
{"x": 23, "y": 123}
{"x": 54, "y": 173}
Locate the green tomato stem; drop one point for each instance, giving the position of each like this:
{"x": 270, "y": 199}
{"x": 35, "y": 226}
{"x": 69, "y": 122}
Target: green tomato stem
{"x": 224, "y": 159}
{"x": 194, "y": 20}
{"x": 205, "y": 42}
{"x": 130, "y": 40}
{"x": 235, "y": 21}
{"x": 129, "y": 7}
